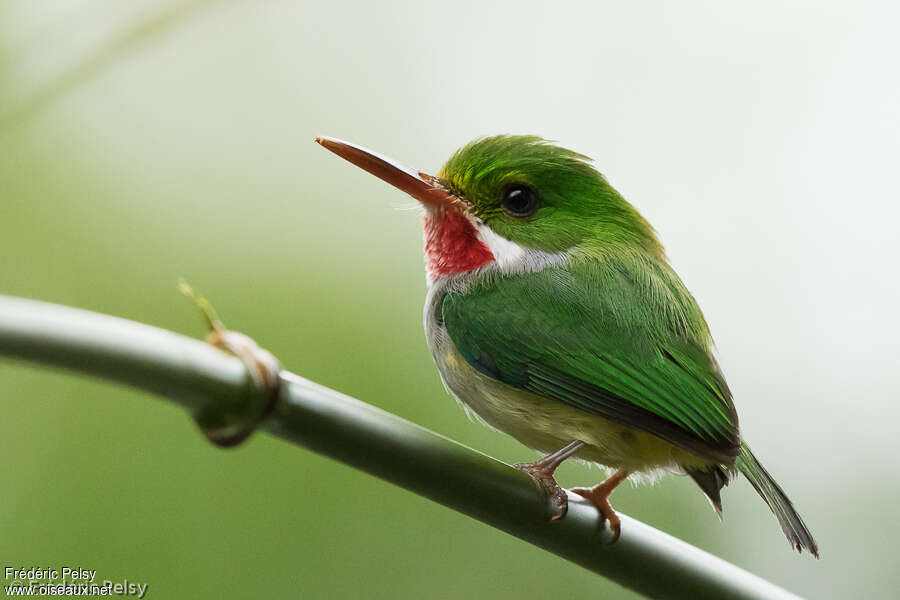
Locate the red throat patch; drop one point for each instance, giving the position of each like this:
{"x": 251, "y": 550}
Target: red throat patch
{"x": 452, "y": 244}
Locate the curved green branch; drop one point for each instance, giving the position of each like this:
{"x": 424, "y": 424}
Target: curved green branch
{"x": 201, "y": 378}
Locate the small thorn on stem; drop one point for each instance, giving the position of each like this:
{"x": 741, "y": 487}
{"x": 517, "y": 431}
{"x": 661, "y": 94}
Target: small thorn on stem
{"x": 213, "y": 323}
{"x": 263, "y": 369}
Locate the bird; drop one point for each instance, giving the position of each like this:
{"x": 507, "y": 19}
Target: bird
{"x": 554, "y": 315}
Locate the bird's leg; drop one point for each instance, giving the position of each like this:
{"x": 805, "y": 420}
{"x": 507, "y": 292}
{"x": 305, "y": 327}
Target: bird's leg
{"x": 542, "y": 473}
{"x": 599, "y": 497}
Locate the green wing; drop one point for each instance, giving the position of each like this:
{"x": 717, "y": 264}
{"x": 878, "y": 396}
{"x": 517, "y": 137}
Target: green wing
{"x": 620, "y": 338}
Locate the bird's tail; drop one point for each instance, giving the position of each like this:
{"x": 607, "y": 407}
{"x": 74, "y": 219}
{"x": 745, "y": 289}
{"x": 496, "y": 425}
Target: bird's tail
{"x": 791, "y": 523}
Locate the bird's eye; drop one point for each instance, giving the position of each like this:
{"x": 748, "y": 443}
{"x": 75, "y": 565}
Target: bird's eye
{"x": 520, "y": 200}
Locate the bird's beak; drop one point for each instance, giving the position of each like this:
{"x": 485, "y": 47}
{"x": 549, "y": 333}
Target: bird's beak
{"x": 421, "y": 186}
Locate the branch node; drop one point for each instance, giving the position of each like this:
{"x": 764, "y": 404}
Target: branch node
{"x": 227, "y": 429}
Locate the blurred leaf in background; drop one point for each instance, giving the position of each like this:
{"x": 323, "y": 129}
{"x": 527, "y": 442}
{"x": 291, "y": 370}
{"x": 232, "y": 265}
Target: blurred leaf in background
{"x": 144, "y": 141}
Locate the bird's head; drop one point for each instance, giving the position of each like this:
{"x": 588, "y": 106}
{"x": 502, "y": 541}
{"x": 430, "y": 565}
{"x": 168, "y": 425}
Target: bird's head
{"x": 499, "y": 198}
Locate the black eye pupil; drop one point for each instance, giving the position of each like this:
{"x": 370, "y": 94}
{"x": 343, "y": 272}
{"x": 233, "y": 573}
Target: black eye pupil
{"x": 519, "y": 200}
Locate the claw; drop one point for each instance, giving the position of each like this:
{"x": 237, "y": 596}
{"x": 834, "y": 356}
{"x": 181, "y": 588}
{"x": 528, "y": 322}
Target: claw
{"x": 607, "y": 513}
{"x": 616, "y": 528}
{"x": 599, "y": 497}
{"x": 541, "y": 472}
{"x": 544, "y": 480}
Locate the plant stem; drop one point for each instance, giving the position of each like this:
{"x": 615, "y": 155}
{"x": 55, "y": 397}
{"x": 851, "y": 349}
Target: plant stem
{"x": 201, "y": 378}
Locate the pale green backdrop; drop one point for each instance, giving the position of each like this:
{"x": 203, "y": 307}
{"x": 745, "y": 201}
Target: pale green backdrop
{"x": 143, "y": 141}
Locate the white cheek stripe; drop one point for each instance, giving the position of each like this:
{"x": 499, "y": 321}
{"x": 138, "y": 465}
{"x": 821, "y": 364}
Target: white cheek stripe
{"x": 510, "y": 257}
{"x": 507, "y": 253}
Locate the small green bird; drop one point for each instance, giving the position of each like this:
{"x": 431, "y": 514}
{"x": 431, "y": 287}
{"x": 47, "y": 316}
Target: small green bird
{"x": 554, "y": 316}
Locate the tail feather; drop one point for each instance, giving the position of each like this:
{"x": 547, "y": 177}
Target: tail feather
{"x": 791, "y": 523}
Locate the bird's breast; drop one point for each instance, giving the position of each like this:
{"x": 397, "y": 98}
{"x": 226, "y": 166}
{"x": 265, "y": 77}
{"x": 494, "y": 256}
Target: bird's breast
{"x": 537, "y": 422}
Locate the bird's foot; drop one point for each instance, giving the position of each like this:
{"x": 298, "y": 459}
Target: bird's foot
{"x": 604, "y": 508}
{"x": 599, "y": 497}
{"x": 543, "y": 477}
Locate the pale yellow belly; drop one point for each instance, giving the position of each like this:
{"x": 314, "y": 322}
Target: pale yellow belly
{"x": 548, "y": 425}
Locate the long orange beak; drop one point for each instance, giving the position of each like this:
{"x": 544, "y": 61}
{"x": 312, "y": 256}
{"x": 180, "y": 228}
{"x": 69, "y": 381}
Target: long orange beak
{"x": 421, "y": 186}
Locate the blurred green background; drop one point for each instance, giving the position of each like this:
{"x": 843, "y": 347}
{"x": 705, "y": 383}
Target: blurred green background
{"x": 144, "y": 141}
